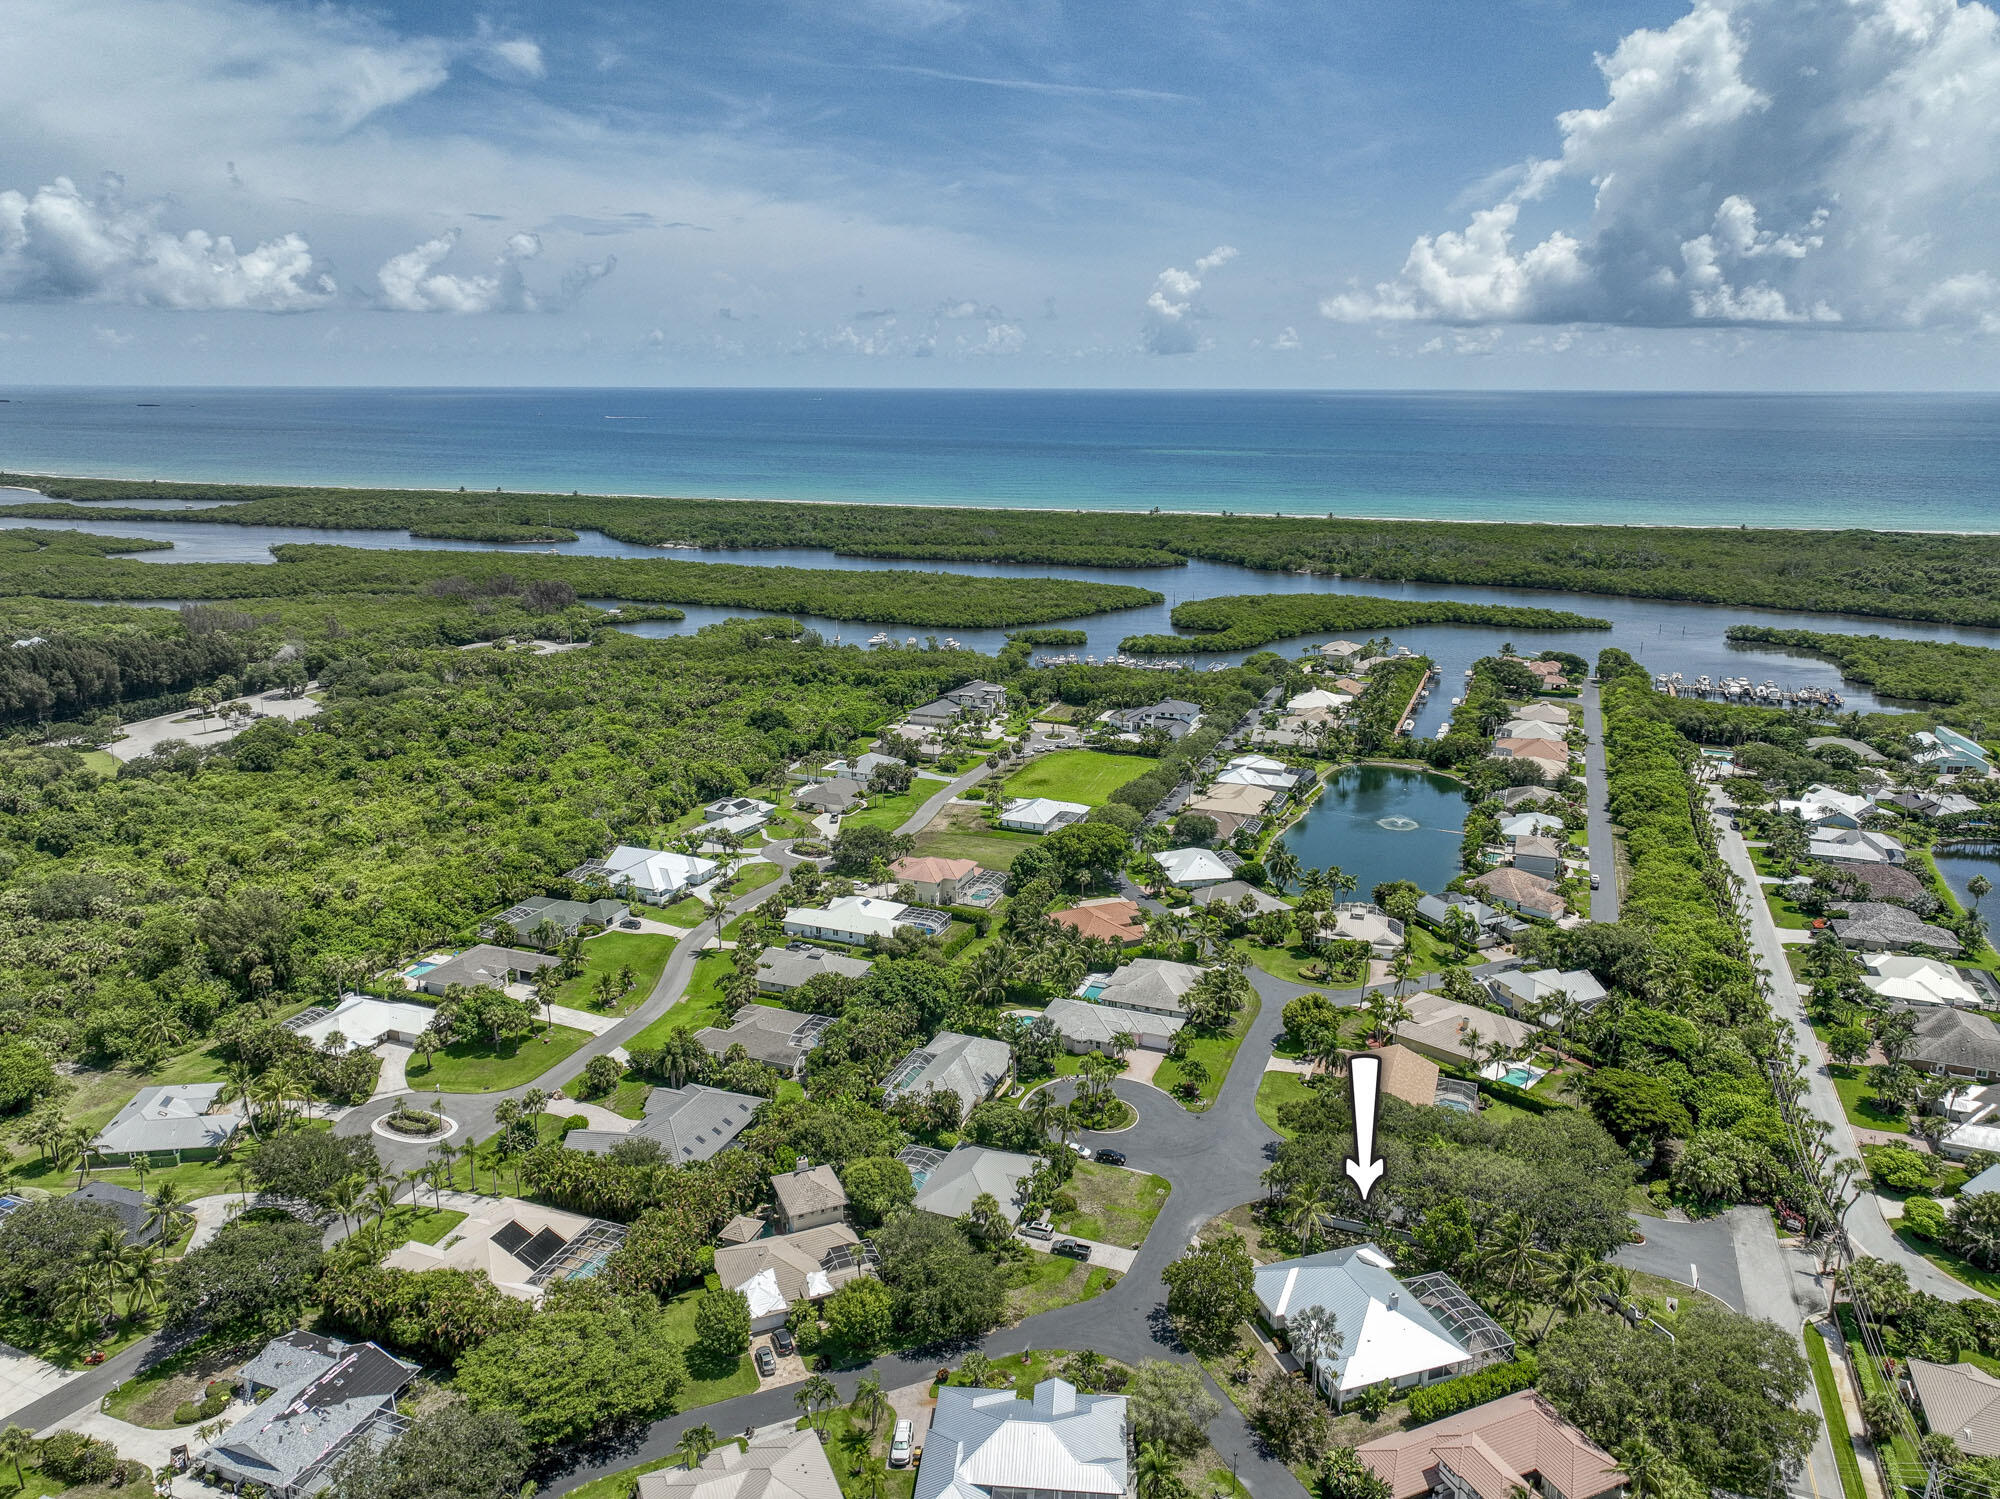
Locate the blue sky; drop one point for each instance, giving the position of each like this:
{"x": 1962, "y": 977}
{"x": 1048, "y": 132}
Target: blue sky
{"x": 1708, "y": 193}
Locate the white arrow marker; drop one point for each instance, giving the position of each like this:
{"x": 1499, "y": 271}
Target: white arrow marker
{"x": 1364, "y": 1074}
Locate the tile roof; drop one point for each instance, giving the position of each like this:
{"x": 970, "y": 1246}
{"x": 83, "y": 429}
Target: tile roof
{"x": 808, "y": 1190}
{"x": 1947, "y": 1037}
{"x": 1442, "y": 1024}
{"x": 1495, "y": 1448}
{"x": 770, "y": 1035}
{"x": 793, "y": 1266}
{"x": 969, "y": 1170}
{"x": 1879, "y": 924}
{"x": 933, "y": 870}
{"x": 1408, "y": 1075}
{"x": 969, "y": 1066}
{"x": 780, "y": 1463}
{"x": 1962, "y": 1402}
{"x": 1081, "y": 1021}
{"x": 791, "y": 968}
{"x": 1111, "y": 920}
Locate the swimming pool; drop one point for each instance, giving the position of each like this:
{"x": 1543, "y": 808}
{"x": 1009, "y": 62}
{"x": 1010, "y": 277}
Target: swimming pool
{"x": 418, "y": 970}
{"x": 1514, "y": 1074}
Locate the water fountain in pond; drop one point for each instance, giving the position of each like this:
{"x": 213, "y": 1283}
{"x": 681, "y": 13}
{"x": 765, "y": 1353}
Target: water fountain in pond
{"x": 1398, "y": 824}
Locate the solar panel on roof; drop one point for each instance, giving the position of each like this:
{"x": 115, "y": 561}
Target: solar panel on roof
{"x": 512, "y": 1237}
{"x": 544, "y": 1247}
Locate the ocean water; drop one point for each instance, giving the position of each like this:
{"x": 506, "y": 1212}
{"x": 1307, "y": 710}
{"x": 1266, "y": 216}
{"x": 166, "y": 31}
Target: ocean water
{"x": 1892, "y": 462}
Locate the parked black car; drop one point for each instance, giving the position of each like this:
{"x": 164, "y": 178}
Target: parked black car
{"x": 782, "y": 1340}
{"x": 1109, "y": 1157}
{"x": 1074, "y": 1249}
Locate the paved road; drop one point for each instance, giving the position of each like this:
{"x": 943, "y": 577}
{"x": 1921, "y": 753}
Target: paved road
{"x": 1604, "y": 900}
{"x": 1866, "y": 1226}
{"x": 1212, "y": 1161}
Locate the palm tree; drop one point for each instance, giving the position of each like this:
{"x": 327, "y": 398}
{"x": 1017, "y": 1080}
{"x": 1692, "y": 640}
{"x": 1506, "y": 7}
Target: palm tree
{"x": 142, "y": 1274}
{"x": 815, "y": 1394}
{"x": 1978, "y": 887}
{"x": 1572, "y": 1284}
{"x": 869, "y": 1401}
{"x": 1156, "y": 1466}
{"x": 16, "y": 1442}
{"x": 167, "y": 1211}
{"x": 874, "y": 1475}
{"x": 1304, "y": 1210}
{"x": 1510, "y": 1257}
{"x": 1646, "y": 1467}
{"x": 344, "y": 1199}
{"x": 73, "y": 1148}
{"x": 427, "y": 1043}
{"x": 689, "y": 1448}
{"x": 381, "y": 1202}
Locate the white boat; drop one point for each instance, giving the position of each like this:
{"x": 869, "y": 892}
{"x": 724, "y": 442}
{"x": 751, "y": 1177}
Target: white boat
{"x": 878, "y": 639}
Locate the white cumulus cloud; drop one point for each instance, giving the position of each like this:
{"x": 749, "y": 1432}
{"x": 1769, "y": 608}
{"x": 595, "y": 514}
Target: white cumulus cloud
{"x": 1171, "y": 309}
{"x": 61, "y": 244}
{"x": 412, "y": 282}
{"x": 1757, "y": 162}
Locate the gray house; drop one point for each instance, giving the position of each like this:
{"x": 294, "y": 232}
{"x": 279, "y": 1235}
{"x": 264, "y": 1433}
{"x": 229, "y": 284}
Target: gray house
{"x": 187, "y": 1120}
{"x": 783, "y": 969}
{"x": 777, "y": 1038}
{"x": 837, "y": 795}
{"x": 320, "y": 1396}
{"x": 1955, "y": 1042}
{"x": 969, "y": 1067}
{"x": 520, "y": 922}
{"x": 690, "y": 1124}
{"x": 485, "y": 966}
{"x": 1874, "y": 923}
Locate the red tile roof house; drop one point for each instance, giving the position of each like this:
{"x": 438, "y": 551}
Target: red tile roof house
{"x": 1495, "y": 1450}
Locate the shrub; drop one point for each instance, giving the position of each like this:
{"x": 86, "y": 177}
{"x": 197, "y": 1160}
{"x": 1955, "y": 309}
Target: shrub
{"x": 1923, "y": 1217}
{"x": 1435, "y": 1402}
{"x": 600, "y": 1076}
{"x": 72, "y": 1458}
{"x": 1900, "y": 1168}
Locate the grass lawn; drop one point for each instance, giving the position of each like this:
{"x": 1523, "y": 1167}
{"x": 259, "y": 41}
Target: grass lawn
{"x": 1274, "y": 1091}
{"x": 1113, "y": 1205}
{"x": 645, "y": 953}
{"x": 1290, "y": 963}
{"x": 960, "y": 832}
{"x": 149, "y": 1399}
{"x": 756, "y": 876}
{"x": 701, "y": 1005}
{"x": 1983, "y": 1281}
{"x": 891, "y": 812}
{"x": 409, "y": 1224}
{"x": 848, "y": 1442}
{"x": 101, "y": 761}
{"x": 1044, "y": 1282}
{"x": 1213, "y": 1052}
{"x": 688, "y": 912}
{"x": 195, "y": 1179}
{"x": 619, "y": 1485}
{"x": 1837, "y": 1433}
{"x": 707, "y": 1383}
{"x": 1087, "y": 776}
{"x": 1857, "y": 1096}
{"x": 472, "y": 1067}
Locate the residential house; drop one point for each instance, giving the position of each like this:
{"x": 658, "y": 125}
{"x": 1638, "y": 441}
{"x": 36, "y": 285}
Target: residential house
{"x": 1435, "y": 912}
{"x": 1860, "y": 751}
{"x": 1041, "y": 814}
{"x": 861, "y": 768}
{"x": 364, "y": 1022}
{"x": 839, "y": 795}
{"x": 937, "y": 881}
{"x": 777, "y": 1038}
{"x": 1986, "y": 1181}
{"x": 1151, "y": 984}
{"x": 1954, "y": 1043}
{"x": 133, "y": 1209}
{"x": 1352, "y": 686}
{"x": 1093, "y": 1027}
{"x": 1279, "y": 781}
{"x": 1533, "y": 728}
{"x": 1542, "y": 713}
{"x": 1445, "y": 1030}
{"x": 690, "y": 1123}
{"x": 1959, "y": 1401}
{"x": 982, "y": 697}
{"x": 1550, "y": 672}
{"x": 1360, "y": 921}
{"x": 1319, "y": 700}
{"x": 1530, "y": 825}
{"x": 1828, "y": 807}
{"x": 777, "y": 1463}
{"x": 783, "y": 969}
{"x": 1527, "y": 993}
{"x": 735, "y": 809}
{"x": 649, "y": 873}
{"x": 1856, "y": 846}
{"x": 484, "y": 966}
{"x": 971, "y": 1068}
{"x": 564, "y": 918}
{"x": 1194, "y": 868}
{"x": 991, "y": 1444}
{"x": 776, "y": 1274}
{"x": 1233, "y": 893}
{"x": 1934, "y": 804}
{"x": 1919, "y": 981}
{"x": 188, "y": 1121}
{"x": 853, "y": 919}
{"x": 1876, "y": 924}
{"x": 1887, "y": 882}
{"x": 522, "y": 1247}
{"x": 949, "y": 1182}
{"x": 742, "y": 1229}
{"x": 1518, "y": 1444}
{"x": 324, "y": 1395}
{"x": 1241, "y": 802}
{"x": 1416, "y": 1080}
{"x": 1390, "y": 1332}
{"x": 1340, "y": 649}
{"x": 1258, "y": 762}
{"x": 1173, "y": 717}
{"x": 1116, "y": 921}
{"x": 808, "y": 1197}
{"x": 1950, "y": 753}
{"x": 1518, "y": 890}
{"x": 1539, "y": 856}
{"x": 1551, "y": 756}
{"x": 1528, "y": 796}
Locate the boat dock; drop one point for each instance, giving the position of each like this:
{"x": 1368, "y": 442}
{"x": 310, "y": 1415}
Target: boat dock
{"x": 1765, "y": 694}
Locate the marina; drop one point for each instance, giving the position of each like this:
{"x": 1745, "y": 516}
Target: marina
{"x": 1767, "y": 693}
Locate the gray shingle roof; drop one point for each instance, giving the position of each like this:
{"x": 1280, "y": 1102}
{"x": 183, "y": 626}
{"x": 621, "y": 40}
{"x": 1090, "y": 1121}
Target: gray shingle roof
{"x": 1877, "y": 924}
{"x": 1949, "y": 1037}
{"x": 488, "y": 965}
{"x": 786, "y": 968}
{"x": 1151, "y": 984}
{"x": 969, "y": 1066}
{"x": 131, "y": 1207}
{"x": 173, "y": 1116}
{"x": 780, "y": 1464}
{"x": 312, "y": 1415}
{"x": 691, "y": 1123}
{"x": 775, "y": 1037}
{"x": 964, "y": 1173}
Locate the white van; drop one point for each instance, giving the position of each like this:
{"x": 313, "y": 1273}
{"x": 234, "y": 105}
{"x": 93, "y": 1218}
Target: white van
{"x": 899, "y": 1445}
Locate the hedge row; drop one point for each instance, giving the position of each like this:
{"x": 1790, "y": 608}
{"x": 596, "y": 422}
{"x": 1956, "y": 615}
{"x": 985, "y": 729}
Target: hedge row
{"x": 1468, "y": 1390}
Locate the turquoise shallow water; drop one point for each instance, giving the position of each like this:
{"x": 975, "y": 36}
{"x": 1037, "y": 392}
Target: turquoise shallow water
{"x": 1916, "y": 462}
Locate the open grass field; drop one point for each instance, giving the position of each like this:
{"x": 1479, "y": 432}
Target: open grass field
{"x": 1857, "y": 1097}
{"x": 1215, "y": 1053}
{"x": 960, "y": 832}
{"x": 687, "y": 912}
{"x": 1045, "y": 1282}
{"x": 700, "y": 1006}
{"x": 470, "y": 1067}
{"x": 756, "y": 876}
{"x": 1113, "y": 1205}
{"x": 645, "y": 953}
{"x": 1087, "y": 776}
{"x": 891, "y": 812}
